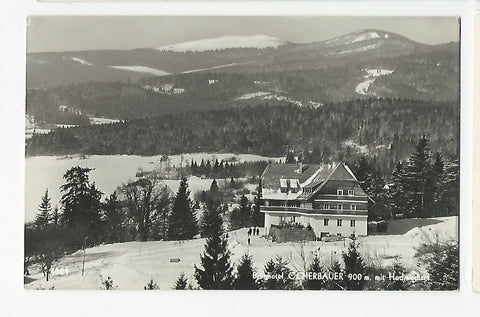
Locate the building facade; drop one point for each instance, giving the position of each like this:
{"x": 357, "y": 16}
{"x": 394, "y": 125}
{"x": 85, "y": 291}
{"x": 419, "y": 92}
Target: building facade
{"x": 327, "y": 197}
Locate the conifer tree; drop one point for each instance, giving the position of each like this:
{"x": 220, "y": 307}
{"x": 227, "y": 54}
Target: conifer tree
{"x": 215, "y": 271}
{"x": 44, "y": 212}
{"x": 81, "y": 203}
{"x": 398, "y": 284}
{"x": 335, "y": 283}
{"x": 181, "y": 283}
{"x": 182, "y": 222}
{"x": 211, "y": 221}
{"x": 151, "y": 286}
{"x": 245, "y": 277}
{"x": 315, "y": 283}
{"x": 353, "y": 265}
{"x": 419, "y": 180}
{"x": 277, "y": 275}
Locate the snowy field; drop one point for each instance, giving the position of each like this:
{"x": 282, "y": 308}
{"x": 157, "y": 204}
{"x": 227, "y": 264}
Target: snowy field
{"x": 131, "y": 265}
{"x": 111, "y": 171}
{"x": 370, "y": 77}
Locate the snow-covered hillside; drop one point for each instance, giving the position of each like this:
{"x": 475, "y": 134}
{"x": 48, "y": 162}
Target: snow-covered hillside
{"x": 131, "y": 265}
{"x": 81, "y": 61}
{"x": 370, "y": 77}
{"x": 259, "y": 41}
{"x": 142, "y": 69}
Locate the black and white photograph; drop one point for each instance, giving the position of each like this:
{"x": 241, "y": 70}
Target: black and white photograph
{"x": 242, "y": 153}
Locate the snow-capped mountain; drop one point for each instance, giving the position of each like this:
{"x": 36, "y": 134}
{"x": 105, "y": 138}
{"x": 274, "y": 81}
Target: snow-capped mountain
{"x": 259, "y": 41}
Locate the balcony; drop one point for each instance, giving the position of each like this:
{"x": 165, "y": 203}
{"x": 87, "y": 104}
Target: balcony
{"x": 313, "y": 211}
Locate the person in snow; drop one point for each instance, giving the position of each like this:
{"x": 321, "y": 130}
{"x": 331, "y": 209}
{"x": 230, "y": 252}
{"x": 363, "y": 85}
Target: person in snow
{"x": 248, "y": 241}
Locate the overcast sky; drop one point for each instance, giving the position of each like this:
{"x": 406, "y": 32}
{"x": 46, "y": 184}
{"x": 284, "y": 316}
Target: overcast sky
{"x": 70, "y": 33}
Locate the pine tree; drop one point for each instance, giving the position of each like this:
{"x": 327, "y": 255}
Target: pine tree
{"x": 182, "y": 222}
{"x": 55, "y": 216}
{"x": 442, "y": 262}
{"x": 315, "y": 269}
{"x": 181, "y": 283}
{"x": 151, "y": 286}
{"x": 354, "y": 267}
{"x": 215, "y": 271}
{"x": 277, "y": 275}
{"x": 113, "y": 219}
{"x": 214, "y": 187}
{"x": 398, "y": 284}
{"x": 335, "y": 283}
{"x": 211, "y": 219}
{"x": 419, "y": 180}
{"x": 81, "y": 203}
{"x": 44, "y": 210}
{"x": 245, "y": 277}
{"x": 397, "y": 191}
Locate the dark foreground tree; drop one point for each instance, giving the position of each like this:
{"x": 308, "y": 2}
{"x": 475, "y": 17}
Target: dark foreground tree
{"x": 81, "y": 203}
{"x": 278, "y": 275}
{"x": 44, "y": 212}
{"x": 211, "y": 221}
{"x": 354, "y": 267}
{"x": 245, "y": 277}
{"x": 314, "y": 279}
{"x": 182, "y": 222}
{"x": 151, "y": 286}
{"x": 335, "y": 280}
{"x": 442, "y": 265}
{"x": 181, "y": 283}
{"x": 215, "y": 271}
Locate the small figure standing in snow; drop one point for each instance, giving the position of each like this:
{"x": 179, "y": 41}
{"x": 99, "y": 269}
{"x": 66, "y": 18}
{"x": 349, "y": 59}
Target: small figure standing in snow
{"x": 248, "y": 241}
{"x": 249, "y": 231}
{"x": 258, "y": 231}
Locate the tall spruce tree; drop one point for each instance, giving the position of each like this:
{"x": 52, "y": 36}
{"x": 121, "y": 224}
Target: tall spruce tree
{"x": 420, "y": 181}
{"x": 277, "y": 275}
{"x": 182, "y": 222}
{"x": 354, "y": 266}
{"x": 44, "y": 212}
{"x": 336, "y": 282}
{"x": 113, "y": 219}
{"x": 216, "y": 271}
{"x": 81, "y": 203}
{"x": 245, "y": 277}
{"x": 211, "y": 221}
{"x": 315, "y": 271}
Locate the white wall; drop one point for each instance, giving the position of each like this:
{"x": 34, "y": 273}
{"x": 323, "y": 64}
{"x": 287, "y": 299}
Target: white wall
{"x": 316, "y": 222}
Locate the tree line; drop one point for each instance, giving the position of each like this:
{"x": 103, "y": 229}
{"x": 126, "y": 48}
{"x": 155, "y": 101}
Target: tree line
{"x": 386, "y": 128}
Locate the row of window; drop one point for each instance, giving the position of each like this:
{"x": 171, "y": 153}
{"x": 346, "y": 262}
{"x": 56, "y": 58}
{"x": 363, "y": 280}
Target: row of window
{"x": 339, "y": 222}
{"x": 350, "y": 192}
{"x": 339, "y": 207}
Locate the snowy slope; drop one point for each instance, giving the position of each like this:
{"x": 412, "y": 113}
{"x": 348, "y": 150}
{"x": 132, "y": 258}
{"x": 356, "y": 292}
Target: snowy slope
{"x": 131, "y": 265}
{"x": 259, "y": 41}
{"x": 142, "y": 69}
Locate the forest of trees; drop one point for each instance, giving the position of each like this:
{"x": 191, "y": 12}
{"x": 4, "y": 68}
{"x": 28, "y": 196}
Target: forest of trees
{"x": 388, "y": 128}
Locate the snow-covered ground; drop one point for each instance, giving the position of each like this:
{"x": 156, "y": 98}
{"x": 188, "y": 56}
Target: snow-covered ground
{"x": 94, "y": 120}
{"x": 366, "y": 36}
{"x": 259, "y": 41}
{"x": 272, "y": 96}
{"x": 131, "y": 265}
{"x": 81, "y": 61}
{"x": 111, "y": 171}
{"x": 370, "y": 77}
{"x": 142, "y": 69}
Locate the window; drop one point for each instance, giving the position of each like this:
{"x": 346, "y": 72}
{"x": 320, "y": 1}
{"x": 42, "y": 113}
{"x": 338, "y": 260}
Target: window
{"x": 325, "y": 222}
{"x": 353, "y": 207}
{"x": 339, "y": 222}
{"x": 352, "y": 223}
{"x": 351, "y": 192}
{"x": 339, "y": 207}
{"x": 340, "y": 192}
{"x": 326, "y": 206}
